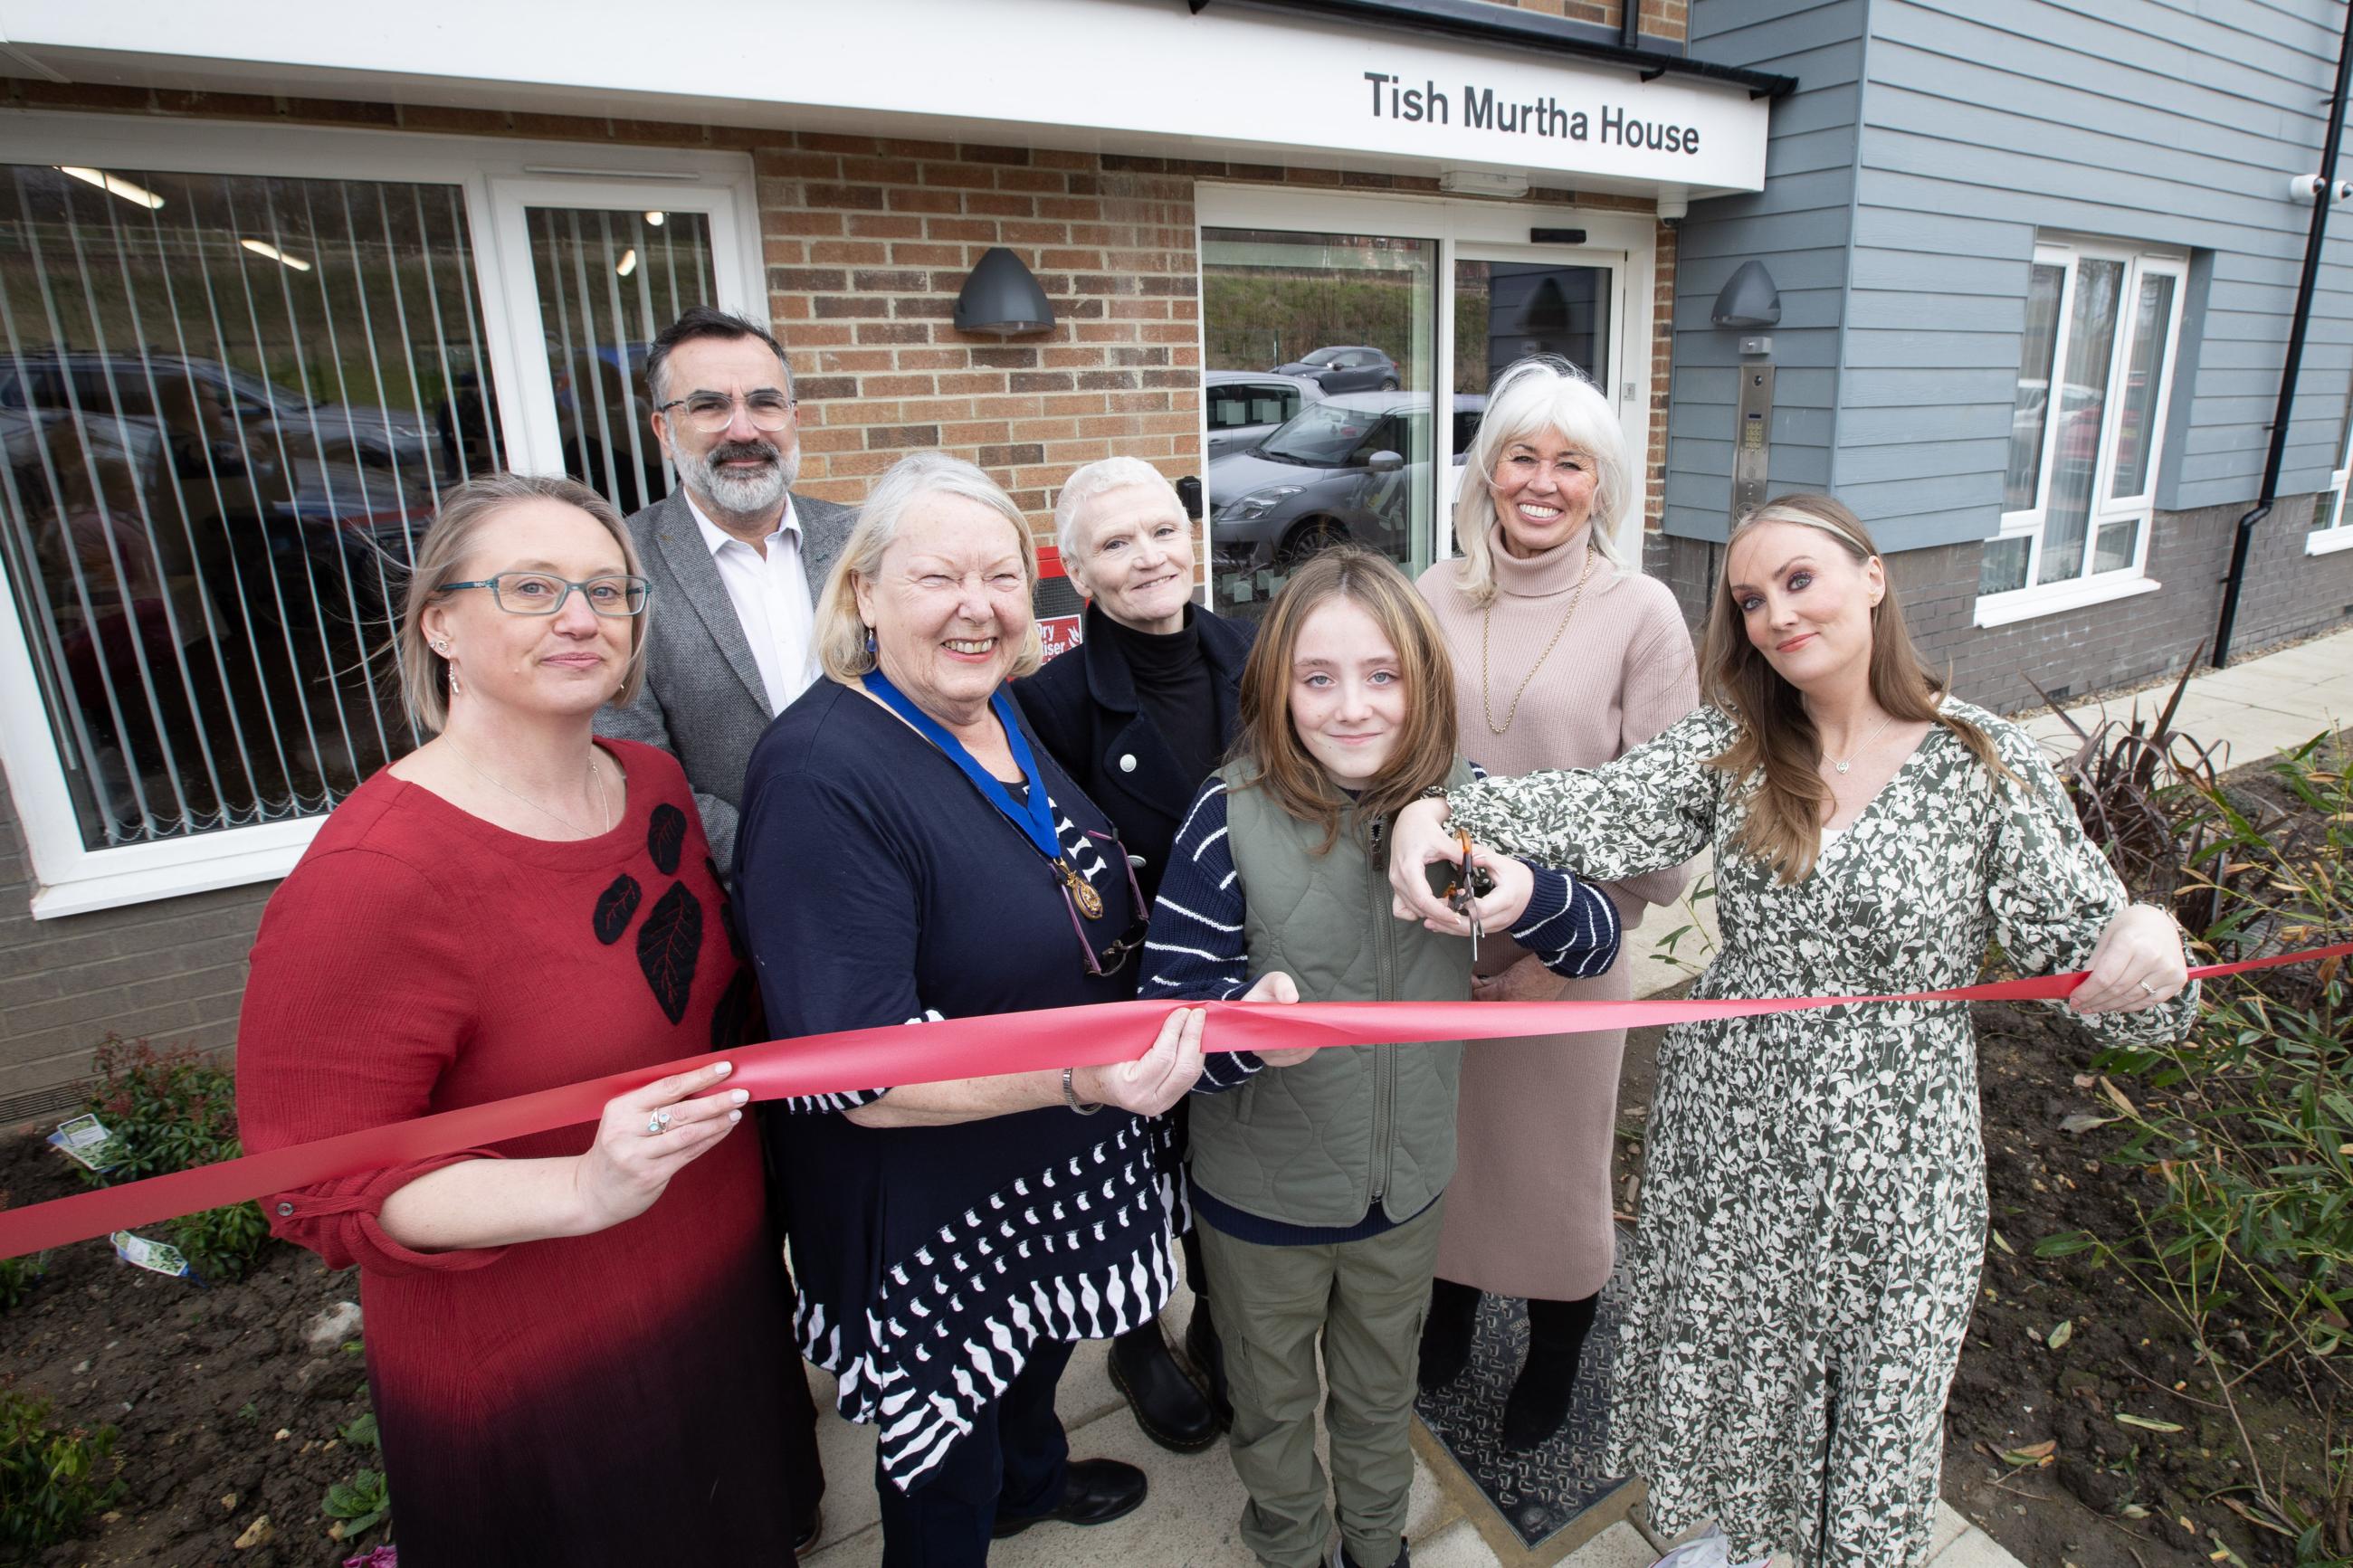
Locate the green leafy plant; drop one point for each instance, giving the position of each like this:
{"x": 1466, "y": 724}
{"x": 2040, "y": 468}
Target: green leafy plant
{"x": 17, "y": 1275}
{"x": 1703, "y": 945}
{"x": 358, "y": 1505}
{"x": 2246, "y": 1126}
{"x": 360, "y": 1431}
{"x": 52, "y": 1477}
{"x": 173, "y": 1110}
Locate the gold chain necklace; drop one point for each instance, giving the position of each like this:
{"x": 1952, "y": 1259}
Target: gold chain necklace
{"x": 1486, "y": 623}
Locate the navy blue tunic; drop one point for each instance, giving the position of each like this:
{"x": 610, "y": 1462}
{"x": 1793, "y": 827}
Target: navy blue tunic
{"x": 878, "y": 887}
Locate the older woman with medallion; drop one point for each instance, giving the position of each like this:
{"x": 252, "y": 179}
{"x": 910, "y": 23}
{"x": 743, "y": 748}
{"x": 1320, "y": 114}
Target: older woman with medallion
{"x": 1562, "y": 659}
{"x": 907, "y": 852}
{"x": 1139, "y": 715}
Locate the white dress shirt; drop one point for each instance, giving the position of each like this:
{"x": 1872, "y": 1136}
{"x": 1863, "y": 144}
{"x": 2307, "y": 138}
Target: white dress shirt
{"x": 772, "y": 601}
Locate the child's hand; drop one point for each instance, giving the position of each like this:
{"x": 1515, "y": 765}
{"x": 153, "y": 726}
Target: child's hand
{"x": 1501, "y": 909}
{"x": 1277, "y": 986}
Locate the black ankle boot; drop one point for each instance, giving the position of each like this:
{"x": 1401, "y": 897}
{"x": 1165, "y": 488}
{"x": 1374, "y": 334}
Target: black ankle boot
{"x": 1208, "y": 1358}
{"x": 1446, "y": 1334}
{"x": 1167, "y": 1406}
{"x": 1539, "y": 1400}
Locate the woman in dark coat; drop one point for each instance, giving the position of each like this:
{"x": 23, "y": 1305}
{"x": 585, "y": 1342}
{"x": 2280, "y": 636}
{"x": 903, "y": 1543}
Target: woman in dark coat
{"x": 1139, "y": 714}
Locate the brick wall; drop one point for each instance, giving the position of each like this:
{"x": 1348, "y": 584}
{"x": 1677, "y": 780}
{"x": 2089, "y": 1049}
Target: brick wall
{"x": 2287, "y": 593}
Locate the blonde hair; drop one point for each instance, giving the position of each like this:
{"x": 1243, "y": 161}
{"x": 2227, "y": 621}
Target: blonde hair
{"x": 1776, "y": 743}
{"x": 840, "y": 633}
{"x": 1100, "y": 479}
{"x": 465, "y": 510}
{"x": 1268, "y": 745}
{"x": 1543, "y": 392}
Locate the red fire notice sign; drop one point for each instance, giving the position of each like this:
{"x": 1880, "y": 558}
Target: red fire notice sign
{"x": 1057, "y": 606}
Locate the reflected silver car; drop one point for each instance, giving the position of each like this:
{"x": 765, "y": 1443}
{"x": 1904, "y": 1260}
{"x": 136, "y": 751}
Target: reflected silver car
{"x": 1246, "y": 406}
{"x": 1345, "y": 469}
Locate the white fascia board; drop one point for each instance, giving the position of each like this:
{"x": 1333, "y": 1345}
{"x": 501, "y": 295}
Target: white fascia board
{"x": 1108, "y": 74}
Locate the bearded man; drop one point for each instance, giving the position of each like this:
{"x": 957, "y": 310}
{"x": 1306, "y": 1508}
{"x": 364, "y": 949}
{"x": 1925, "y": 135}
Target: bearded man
{"x": 736, "y": 560}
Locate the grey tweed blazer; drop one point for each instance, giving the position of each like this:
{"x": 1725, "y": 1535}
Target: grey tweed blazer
{"x": 702, "y": 701}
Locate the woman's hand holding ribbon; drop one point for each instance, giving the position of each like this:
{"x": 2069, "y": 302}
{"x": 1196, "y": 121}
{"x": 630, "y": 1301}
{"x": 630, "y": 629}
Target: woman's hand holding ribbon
{"x": 1274, "y": 985}
{"x": 1155, "y": 1080}
{"x": 2136, "y": 963}
{"x": 648, "y": 1136}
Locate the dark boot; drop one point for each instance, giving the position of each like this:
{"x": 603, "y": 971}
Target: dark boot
{"x": 1447, "y": 1333}
{"x": 1539, "y": 1400}
{"x": 1209, "y": 1359}
{"x": 1167, "y": 1406}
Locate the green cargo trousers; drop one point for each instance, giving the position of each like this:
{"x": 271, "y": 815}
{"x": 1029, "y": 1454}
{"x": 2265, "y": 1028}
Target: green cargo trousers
{"x": 1365, "y": 1300}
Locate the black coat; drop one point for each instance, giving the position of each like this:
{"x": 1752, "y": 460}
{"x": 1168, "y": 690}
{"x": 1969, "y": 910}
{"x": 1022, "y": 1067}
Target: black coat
{"x": 1084, "y": 708}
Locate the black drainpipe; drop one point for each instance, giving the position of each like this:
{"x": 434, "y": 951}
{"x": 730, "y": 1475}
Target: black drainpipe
{"x": 2322, "y": 200}
{"x": 1630, "y": 30}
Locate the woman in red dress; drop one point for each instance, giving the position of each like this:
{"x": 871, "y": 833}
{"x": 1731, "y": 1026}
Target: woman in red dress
{"x": 572, "y": 1338}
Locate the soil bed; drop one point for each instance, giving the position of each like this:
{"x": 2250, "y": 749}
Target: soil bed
{"x": 224, "y": 1412}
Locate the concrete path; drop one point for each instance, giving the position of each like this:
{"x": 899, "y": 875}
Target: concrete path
{"x": 1189, "y": 1522}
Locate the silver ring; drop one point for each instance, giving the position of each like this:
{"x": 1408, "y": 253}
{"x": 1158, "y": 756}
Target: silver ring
{"x": 2148, "y": 987}
{"x": 658, "y": 1123}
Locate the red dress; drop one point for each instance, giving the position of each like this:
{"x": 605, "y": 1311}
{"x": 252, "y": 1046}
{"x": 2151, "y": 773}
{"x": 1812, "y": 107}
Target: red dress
{"x": 608, "y": 1398}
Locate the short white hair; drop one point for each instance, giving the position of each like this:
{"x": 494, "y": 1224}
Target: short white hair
{"x": 840, "y": 633}
{"x": 1100, "y": 479}
{"x": 1542, "y": 392}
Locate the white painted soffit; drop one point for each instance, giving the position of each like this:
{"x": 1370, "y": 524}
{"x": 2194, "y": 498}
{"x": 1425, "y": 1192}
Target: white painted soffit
{"x": 1144, "y": 77}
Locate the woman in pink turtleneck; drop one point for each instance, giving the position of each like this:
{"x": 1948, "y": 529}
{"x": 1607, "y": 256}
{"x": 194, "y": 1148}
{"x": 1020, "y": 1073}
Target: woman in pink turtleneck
{"x": 1562, "y": 659}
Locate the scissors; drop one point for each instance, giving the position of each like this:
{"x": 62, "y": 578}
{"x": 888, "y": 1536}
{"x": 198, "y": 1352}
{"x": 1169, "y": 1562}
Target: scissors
{"x": 1471, "y": 882}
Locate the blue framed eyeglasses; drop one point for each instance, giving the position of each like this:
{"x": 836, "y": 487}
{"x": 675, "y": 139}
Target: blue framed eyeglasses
{"x": 541, "y": 594}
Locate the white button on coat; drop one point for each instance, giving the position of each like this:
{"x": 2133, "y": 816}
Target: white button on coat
{"x": 1127, "y": 762}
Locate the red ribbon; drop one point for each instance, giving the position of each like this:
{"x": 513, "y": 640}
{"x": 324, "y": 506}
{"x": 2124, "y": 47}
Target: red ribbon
{"x": 934, "y": 1053}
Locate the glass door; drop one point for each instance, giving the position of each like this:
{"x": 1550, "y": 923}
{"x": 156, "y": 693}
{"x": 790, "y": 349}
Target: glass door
{"x": 1507, "y": 309}
{"x": 1343, "y": 327}
{"x": 596, "y": 271}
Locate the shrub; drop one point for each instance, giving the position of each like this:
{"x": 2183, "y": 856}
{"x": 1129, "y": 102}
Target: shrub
{"x": 357, "y": 1505}
{"x": 174, "y": 1111}
{"x": 52, "y": 1477}
{"x": 2247, "y": 1125}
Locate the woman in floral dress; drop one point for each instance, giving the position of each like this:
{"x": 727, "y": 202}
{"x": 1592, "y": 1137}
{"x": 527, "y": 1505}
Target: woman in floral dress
{"x": 1813, "y": 1201}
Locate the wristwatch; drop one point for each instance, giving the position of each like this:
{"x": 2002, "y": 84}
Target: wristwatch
{"x": 1070, "y": 1099}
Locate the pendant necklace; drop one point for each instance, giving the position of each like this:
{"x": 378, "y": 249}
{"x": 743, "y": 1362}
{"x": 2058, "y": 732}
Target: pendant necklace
{"x": 1486, "y": 622}
{"x": 596, "y": 782}
{"x": 1867, "y": 740}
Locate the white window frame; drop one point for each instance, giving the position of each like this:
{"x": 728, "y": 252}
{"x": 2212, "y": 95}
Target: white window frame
{"x": 2090, "y": 587}
{"x": 494, "y": 175}
{"x": 1625, "y": 242}
{"x": 2339, "y": 534}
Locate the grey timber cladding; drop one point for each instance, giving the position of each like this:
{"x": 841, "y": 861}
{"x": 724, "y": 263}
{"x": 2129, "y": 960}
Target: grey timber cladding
{"x": 1975, "y": 128}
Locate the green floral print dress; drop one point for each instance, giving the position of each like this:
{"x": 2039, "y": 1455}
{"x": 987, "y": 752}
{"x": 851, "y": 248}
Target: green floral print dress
{"x": 1813, "y": 1205}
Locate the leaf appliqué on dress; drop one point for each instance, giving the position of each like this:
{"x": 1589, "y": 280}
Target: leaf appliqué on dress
{"x": 665, "y": 837}
{"x": 670, "y": 943}
{"x": 614, "y": 906}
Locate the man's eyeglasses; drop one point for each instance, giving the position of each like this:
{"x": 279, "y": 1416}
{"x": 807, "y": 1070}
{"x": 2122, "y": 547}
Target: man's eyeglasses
{"x": 1113, "y": 959}
{"x": 538, "y": 594}
{"x": 711, "y": 412}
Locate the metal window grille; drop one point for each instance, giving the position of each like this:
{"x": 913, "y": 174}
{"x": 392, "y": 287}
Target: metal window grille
{"x": 227, "y": 405}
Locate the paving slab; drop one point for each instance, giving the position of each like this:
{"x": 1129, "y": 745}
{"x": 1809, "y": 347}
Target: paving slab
{"x": 1973, "y": 1548}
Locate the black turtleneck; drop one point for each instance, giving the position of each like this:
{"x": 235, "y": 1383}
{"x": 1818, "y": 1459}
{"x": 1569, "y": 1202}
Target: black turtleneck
{"x": 1174, "y": 689}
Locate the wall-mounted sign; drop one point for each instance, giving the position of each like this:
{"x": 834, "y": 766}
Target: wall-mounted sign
{"x": 1115, "y": 74}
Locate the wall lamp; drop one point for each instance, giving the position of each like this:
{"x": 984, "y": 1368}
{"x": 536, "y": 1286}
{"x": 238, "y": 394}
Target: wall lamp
{"x": 1747, "y": 300}
{"x": 1002, "y": 298}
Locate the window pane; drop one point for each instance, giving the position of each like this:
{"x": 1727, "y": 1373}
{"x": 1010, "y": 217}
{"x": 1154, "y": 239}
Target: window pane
{"x": 2004, "y": 565}
{"x": 2030, "y": 415}
{"x": 2144, "y": 374}
{"x": 2082, "y": 399}
{"x": 2113, "y": 550}
{"x": 1505, "y": 310}
{"x": 228, "y": 404}
{"x": 1356, "y": 314}
{"x": 609, "y": 280}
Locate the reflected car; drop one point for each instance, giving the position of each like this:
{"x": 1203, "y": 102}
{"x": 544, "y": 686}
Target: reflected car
{"x": 1349, "y": 367}
{"x": 1344, "y": 469}
{"x": 204, "y": 399}
{"x": 1246, "y": 406}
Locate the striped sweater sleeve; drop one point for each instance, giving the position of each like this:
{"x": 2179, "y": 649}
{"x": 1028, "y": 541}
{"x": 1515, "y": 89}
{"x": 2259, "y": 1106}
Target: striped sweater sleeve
{"x": 1194, "y": 950}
